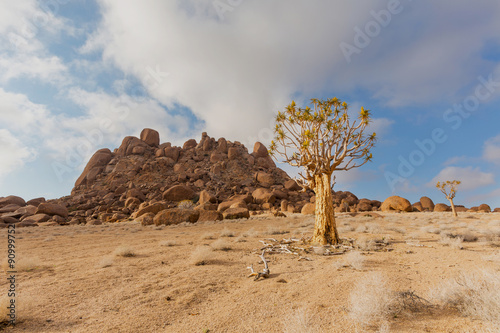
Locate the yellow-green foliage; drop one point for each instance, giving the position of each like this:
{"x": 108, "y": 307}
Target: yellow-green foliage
{"x": 449, "y": 188}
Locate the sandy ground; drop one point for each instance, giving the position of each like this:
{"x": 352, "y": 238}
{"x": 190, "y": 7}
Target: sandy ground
{"x": 73, "y": 278}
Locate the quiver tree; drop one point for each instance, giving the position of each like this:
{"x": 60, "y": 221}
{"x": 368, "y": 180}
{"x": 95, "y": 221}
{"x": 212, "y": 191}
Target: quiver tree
{"x": 322, "y": 140}
{"x": 449, "y": 188}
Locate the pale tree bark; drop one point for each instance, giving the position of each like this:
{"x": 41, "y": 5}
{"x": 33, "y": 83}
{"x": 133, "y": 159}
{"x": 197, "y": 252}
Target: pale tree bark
{"x": 453, "y": 208}
{"x": 325, "y": 228}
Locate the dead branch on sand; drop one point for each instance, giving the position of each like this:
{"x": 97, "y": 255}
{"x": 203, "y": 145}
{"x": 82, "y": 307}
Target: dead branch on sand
{"x": 265, "y": 272}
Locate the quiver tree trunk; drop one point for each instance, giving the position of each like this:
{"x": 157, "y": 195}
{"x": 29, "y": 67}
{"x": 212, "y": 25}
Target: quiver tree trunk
{"x": 325, "y": 229}
{"x": 453, "y": 209}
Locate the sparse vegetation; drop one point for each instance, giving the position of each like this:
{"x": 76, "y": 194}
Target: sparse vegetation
{"x": 474, "y": 294}
{"x": 202, "y": 255}
{"x": 276, "y": 231}
{"x": 221, "y": 245}
{"x": 208, "y": 235}
{"x": 250, "y": 233}
{"x": 105, "y": 262}
{"x": 168, "y": 242}
{"x": 455, "y": 243}
{"x": 28, "y": 264}
{"x": 227, "y": 233}
{"x": 124, "y": 251}
{"x": 355, "y": 259}
{"x": 370, "y": 299}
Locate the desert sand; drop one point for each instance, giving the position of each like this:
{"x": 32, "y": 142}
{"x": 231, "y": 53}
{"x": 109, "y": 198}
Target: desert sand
{"x": 124, "y": 277}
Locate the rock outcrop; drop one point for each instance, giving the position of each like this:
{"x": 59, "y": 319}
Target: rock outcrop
{"x": 396, "y": 203}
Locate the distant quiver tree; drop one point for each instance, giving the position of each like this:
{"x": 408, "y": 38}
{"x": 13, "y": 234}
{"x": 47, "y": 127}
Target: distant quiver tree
{"x": 321, "y": 140}
{"x": 449, "y": 188}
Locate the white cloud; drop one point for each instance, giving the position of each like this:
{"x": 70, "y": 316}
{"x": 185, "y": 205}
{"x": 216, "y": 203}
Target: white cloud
{"x": 237, "y": 72}
{"x": 491, "y": 150}
{"x": 23, "y": 53}
{"x": 48, "y": 69}
{"x": 234, "y": 74}
{"x": 471, "y": 178}
{"x": 13, "y": 153}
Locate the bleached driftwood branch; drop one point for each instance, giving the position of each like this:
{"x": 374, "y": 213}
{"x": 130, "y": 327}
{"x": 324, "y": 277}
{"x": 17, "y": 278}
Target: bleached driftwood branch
{"x": 265, "y": 272}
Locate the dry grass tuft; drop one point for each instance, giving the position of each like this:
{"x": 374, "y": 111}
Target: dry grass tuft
{"x": 124, "y": 251}
{"x": 454, "y": 243}
{"x": 202, "y": 255}
{"x": 345, "y": 229}
{"x": 28, "y": 264}
{"x": 399, "y": 230}
{"x": 474, "y": 294}
{"x": 366, "y": 244}
{"x": 370, "y": 299}
{"x": 168, "y": 243}
{"x": 105, "y": 262}
{"x": 208, "y": 236}
{"x": 240, "y": 240}
{"x": 355, "y": 259}
{"x": 227, "y": 233}
{"x": 250, "y": 233}
{"x": 275, "y": 231}
{"x": 221, "y": 245}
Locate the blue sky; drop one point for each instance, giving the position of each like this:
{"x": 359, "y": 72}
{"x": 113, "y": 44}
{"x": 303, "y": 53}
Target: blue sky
{"x": 79, "y": 75}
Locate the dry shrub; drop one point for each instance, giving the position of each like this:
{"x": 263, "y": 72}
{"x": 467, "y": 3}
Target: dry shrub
{"x": 366, "y": 244}
{"x": 221, "y": 245}
{"x": 345, "y": 229}
{"x": 468, "y": 236}
{"x": 454, "y": 243}
{"x": 355, "y": 259}
{"x": 370, "y": 299}
{"x": 226, "y": 233}
{"x": 28, "y": 264}
{"x": 250, "y": 233}
{"x": 208, "y": 235}
{"x": 202, "y": 255}
{"x": 430, "y": 229}
{"x": 240, "y": 239}
{"x": 298, "y": 321}
{"x": 105, "y": 262}
{"x": 168, "y": 242}
{"x": 275, "y": 231}
{"x": 474, "y": 294}
{"x": 373, "y": 228}
{"x": 399, "y": 230}
{"x": 361, "y": 228}
{"x": 124, "y": 251}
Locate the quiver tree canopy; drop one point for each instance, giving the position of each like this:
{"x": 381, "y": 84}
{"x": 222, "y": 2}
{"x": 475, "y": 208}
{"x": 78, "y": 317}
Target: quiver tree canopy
{"x": 322, "y": 139}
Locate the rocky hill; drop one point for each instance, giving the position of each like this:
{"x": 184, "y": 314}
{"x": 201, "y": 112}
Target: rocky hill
{"x": 213, "y": 175}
